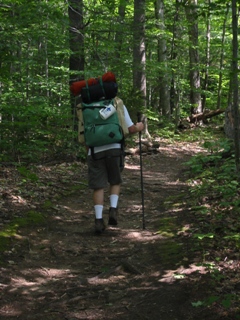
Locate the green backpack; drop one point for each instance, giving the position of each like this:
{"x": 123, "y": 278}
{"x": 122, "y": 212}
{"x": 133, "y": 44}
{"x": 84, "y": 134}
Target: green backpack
{"x": 99, "y": 131}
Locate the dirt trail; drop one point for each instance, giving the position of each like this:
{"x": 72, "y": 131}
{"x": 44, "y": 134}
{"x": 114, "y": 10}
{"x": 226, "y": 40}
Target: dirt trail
{"x": 61, "y": 270}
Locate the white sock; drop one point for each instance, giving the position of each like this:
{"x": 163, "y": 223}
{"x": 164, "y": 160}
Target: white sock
{"x": 98, "y": 211}
{"x": 114, "y": 200}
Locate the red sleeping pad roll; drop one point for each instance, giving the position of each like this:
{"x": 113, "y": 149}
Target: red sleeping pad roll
{"x": 77, "y": 86}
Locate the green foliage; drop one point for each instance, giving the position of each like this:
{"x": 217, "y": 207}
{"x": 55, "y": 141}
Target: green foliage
{"x": 27, "y": 174}
{"x": 47, "y": 204}
{"x": 215, "y": 204}
{"x": 165, "y": 128}
{"x": 37, "y": 122}
{"x": 218, "y": 146}
{"x": 225, "y": 301}
{"x": 28, "y": 219}
{"x": 216, "y": 178}
{"x": 152, "y": 115}
{"x": 34, "y": 132}
{"x": 34, "y": 70}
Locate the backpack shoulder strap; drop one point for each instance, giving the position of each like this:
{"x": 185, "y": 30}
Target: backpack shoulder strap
{"x": 80, "y": 124}
{"x": 118, "y": 104}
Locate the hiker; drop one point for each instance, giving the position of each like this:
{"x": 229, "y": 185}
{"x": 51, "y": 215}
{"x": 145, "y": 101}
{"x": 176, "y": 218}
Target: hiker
{"x": 104, "y": 121}
{"x": 106, "y": 167}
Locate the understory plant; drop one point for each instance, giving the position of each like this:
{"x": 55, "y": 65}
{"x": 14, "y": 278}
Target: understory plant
{"x": 215, "y": 203}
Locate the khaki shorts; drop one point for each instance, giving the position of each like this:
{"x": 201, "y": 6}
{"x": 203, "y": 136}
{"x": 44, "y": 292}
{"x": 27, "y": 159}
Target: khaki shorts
{"x": 105, "y": 167}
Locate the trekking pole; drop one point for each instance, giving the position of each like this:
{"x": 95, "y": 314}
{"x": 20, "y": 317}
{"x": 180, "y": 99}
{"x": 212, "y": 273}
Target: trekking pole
{"x": 141, "y": 171}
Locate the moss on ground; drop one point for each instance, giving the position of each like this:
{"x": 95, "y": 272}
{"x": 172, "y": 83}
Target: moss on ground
{"x": 169, "y": 251}
{"x": 30, "y": 218}
{"x": 168, "y": 227}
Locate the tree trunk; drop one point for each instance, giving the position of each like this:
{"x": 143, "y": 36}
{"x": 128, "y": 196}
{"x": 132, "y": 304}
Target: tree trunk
{"x": 174, "y": 89}
{"x": 139, "y": 53}
{"x": 76, "y": 39}
{"x": 139, "y": 58}
{"x": 162, "y": 59}
{"x": 205, "y": 115}
{"x": 235, "y": 83}
{"x": 221, "y": 60}
{"x": 194, "y": 75}
{"x": 208, "y": 37}
{"x": 118, "y": 36}
{"x": 76, "y": 45}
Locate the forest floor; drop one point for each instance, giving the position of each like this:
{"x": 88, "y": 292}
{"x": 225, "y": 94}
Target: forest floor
{"x": 53, "y": 266}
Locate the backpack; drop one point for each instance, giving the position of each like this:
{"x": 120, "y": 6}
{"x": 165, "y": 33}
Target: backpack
{"x": 99, "y": 131}
{"x": 93, "y": 130}
{"x": 98, "y": 98}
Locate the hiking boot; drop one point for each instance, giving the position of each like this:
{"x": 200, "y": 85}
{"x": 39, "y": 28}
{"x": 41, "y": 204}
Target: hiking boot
{"x": 99, "y": 226}
{"x": 112, "y": 216}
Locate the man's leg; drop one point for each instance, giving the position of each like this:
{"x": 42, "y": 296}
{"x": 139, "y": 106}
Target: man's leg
{"x": 97, "y": 179}
{"x": 98, "y": 196}
{"x": 98, "y": 200}
{"x": 114, "y": 178}
{"x": 114, "y": 196}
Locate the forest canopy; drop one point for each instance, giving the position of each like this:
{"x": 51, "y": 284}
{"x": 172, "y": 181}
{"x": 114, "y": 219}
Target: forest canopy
{"x": 171, "y": 59}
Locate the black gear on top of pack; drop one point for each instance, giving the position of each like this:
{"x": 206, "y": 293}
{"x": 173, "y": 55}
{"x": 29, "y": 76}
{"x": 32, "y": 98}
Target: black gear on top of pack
{"x": 100, "y": 91}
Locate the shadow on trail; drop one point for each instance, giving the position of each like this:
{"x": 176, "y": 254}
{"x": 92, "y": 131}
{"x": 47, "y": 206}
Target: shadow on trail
{"x": 61, "y": 270}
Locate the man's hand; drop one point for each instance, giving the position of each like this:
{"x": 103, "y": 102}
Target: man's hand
{"x": 139, "y": 126}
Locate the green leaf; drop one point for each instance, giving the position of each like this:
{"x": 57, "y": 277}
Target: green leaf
{"x": 226, "y": 303}
{"x": 198, "y": 304}
{"x": 202, "y": 236}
